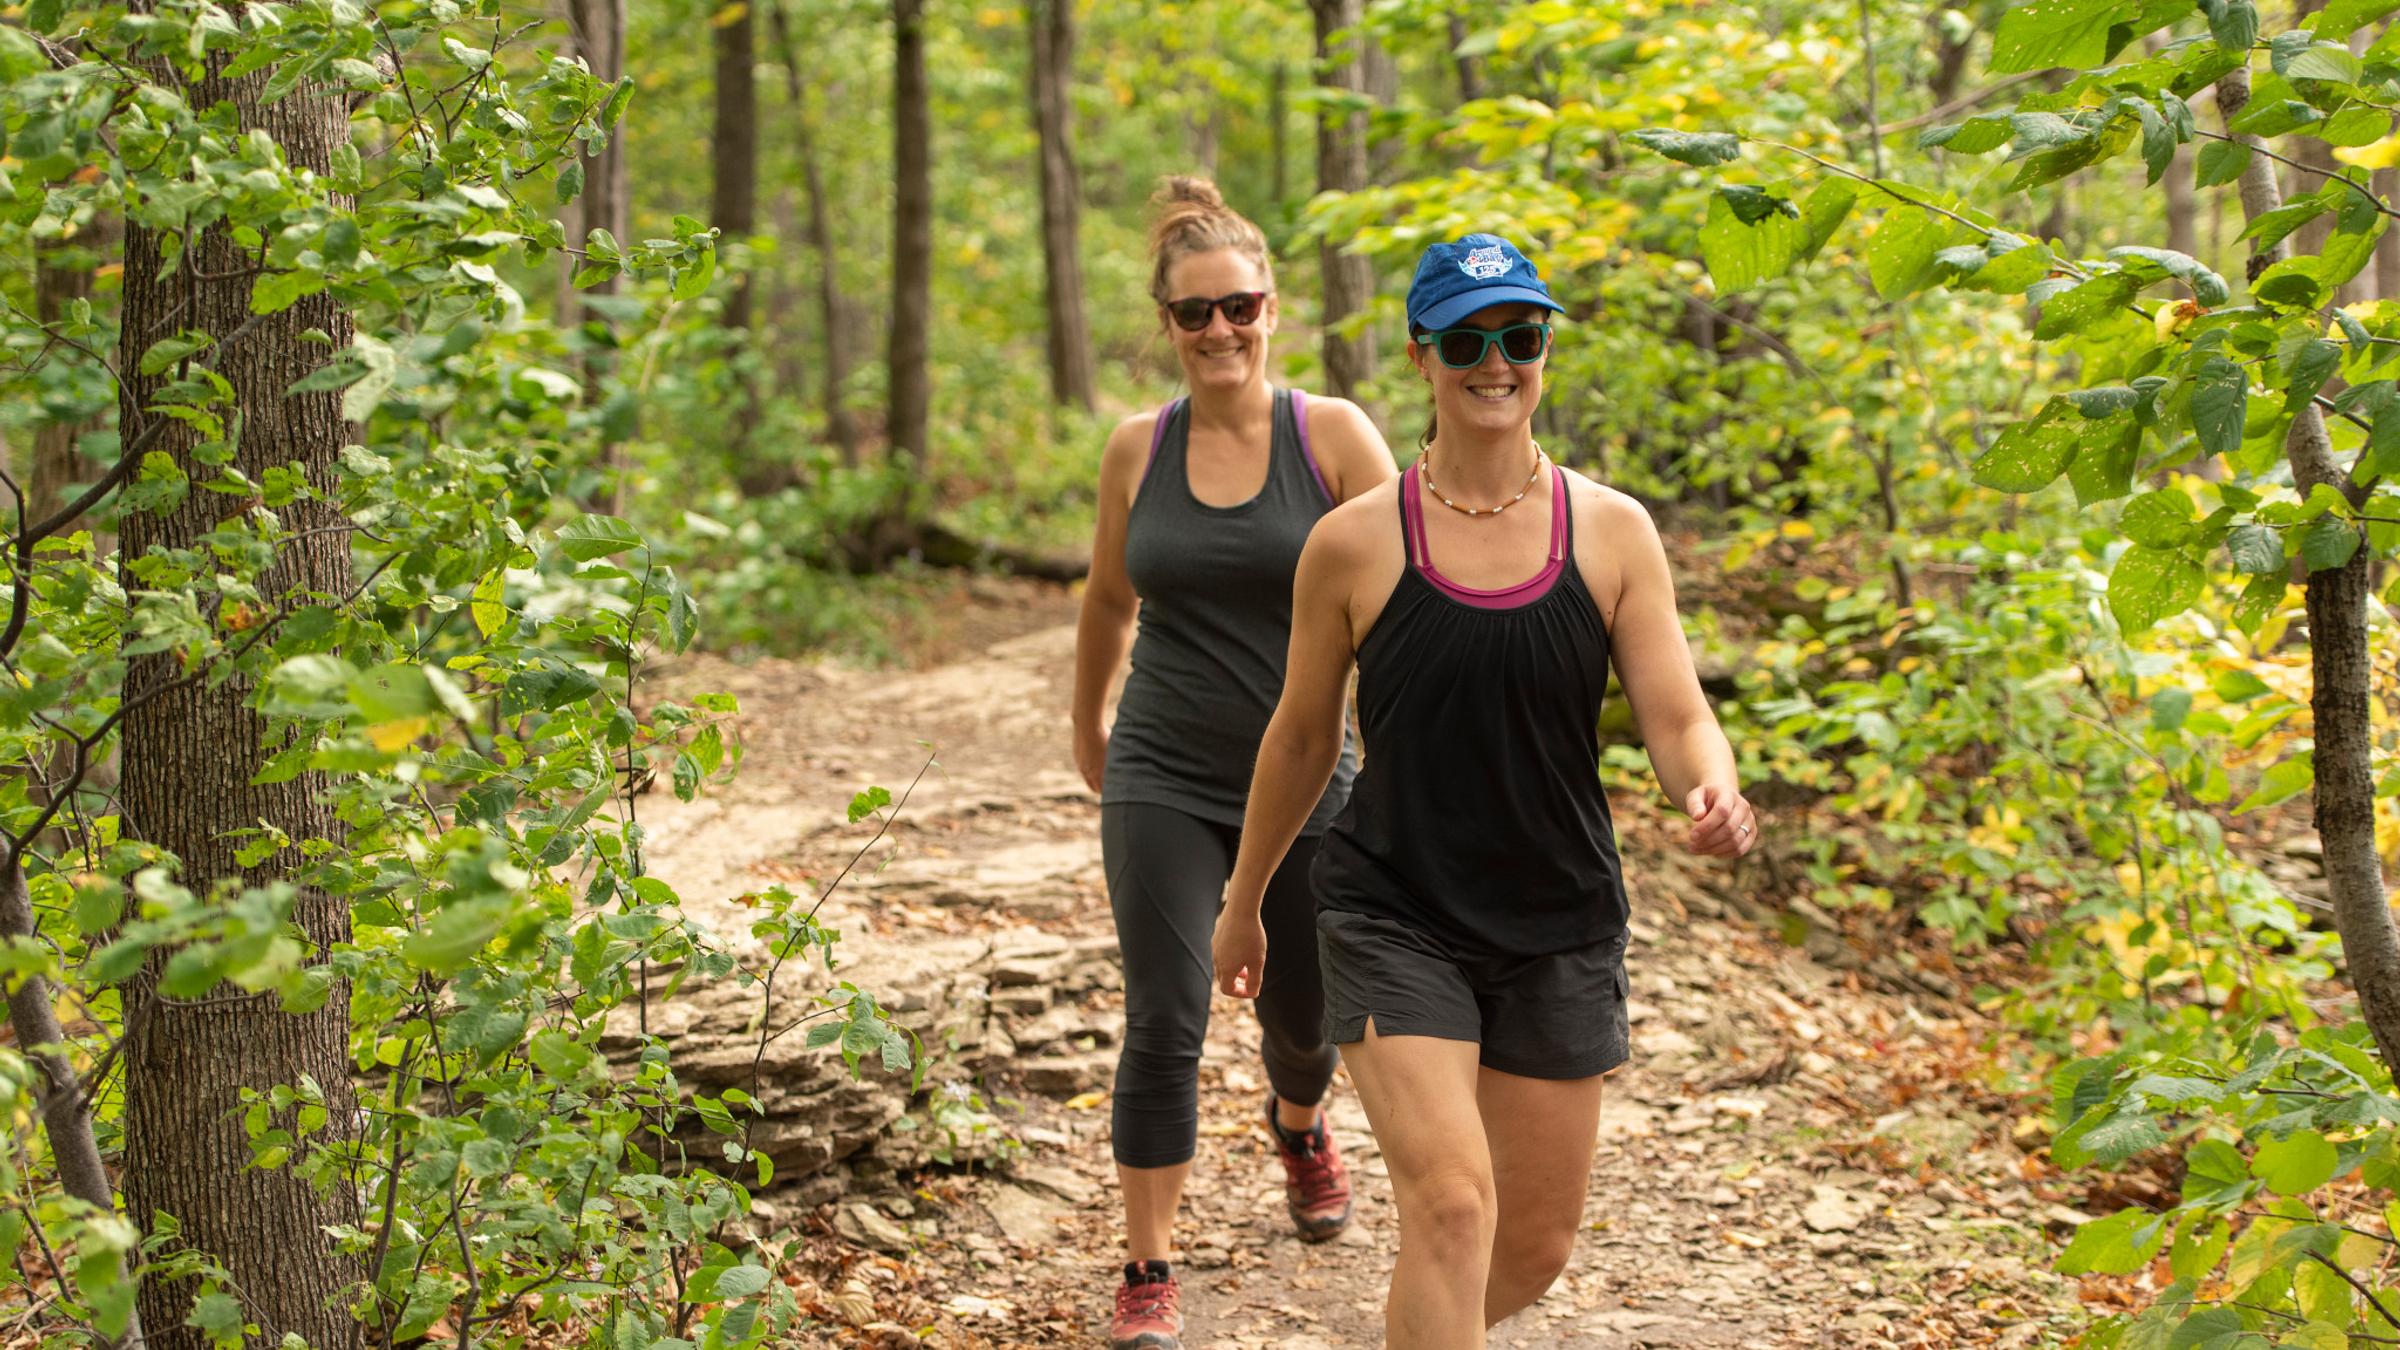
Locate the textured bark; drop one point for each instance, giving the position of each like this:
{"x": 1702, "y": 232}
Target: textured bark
{"x": 912, "y": 236}
{"x": 1349, "y": 280}
{"x": 1053, "y": 39}
{"x": 2341, "y": 688}
{"x": 2183, "y": 233}
{"x": 188, "y": 759}
{"x": 833, "y": 307}
{"x": 1379, "y": 75}
{"x": 733, "y": 198}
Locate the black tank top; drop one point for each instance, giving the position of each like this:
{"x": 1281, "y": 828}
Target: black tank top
{"x": 1216, "y": 624}
{"x": 1478, "y": 816}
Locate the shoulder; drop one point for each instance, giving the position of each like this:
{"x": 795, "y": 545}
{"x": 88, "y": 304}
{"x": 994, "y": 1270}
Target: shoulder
{"x": 1599, "y": 507}
{"x": 1358, "y": 530}
{"x": 1128, "y": 448}
{"x": 1343, "y": 438}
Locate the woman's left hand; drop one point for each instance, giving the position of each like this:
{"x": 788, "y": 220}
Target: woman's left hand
{"x": 1723, "y": 825}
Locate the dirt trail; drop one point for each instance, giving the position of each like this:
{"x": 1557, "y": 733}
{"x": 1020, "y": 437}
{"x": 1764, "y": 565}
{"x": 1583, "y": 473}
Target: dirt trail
{"x": 1805, "y": 1150}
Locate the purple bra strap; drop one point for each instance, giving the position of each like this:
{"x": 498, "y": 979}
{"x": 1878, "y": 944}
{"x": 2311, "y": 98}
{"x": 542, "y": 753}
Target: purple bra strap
{"x": 1308, "y": 456}
{"x": 1158, "y": 434}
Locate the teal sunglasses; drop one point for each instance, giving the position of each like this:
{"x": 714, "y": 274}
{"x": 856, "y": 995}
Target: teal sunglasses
{"x": 1465, "y": 348}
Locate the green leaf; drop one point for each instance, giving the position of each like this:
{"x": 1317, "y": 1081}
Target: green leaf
{"x": 2122, "y": 1137}
{"x": 1975, "y": 136}
{"x": 1701, "y": 148}
{"x": 867, "y": 803}
{"x": 2207, "y": 287}
{"x": 2029, "y": 455}
{"x": 2381, "y": 457}
{"x": 486, "y": 606}
{"x": 561, "y": 1056}
{"x": 2215, "y": 1175}
{"x": 168, "y": 350}
{"x": 2319, "y": 61}
{"x": 1827, "y": 207}
{"x": 2281, "y": 783}
{"x": 2221, "y": 162}
{"x": 2297, "y": 1163}
{"x": 2082, "y": 307}
{"x": 2239, "y": 686}
{"x": 570, "y": 181}
{"x": 2161, "y": 519}
{"x": 2328, "y": 542}
{"x": 2102, "y": 469}
{"x": 1900, "y": 252}
{"x": 2047, "y": 33}
{"x": 2356, "y": 126}
{"x": 2220, "y": 399}
{"x": 2270, "y": 228}
{"x": 594, "y": 536}
{"x": 2234, "y": 23}
{"x": 456, "y": 934}
{"x": 1740, "y": 255}
{"x": 2151, "y": 584}
{"x": 2257, "y": 550}
{"x": 741, "y": 1281}
{"x": 1751, "y": 205}
{"x": 2259, "y": 599}
{"x": 2120, "y": 1244}
{"x": 2341, "y": 18}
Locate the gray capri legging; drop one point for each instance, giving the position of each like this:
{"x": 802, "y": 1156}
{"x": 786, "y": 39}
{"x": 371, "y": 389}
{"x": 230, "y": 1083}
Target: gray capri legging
{"x": 1167, "y": 871}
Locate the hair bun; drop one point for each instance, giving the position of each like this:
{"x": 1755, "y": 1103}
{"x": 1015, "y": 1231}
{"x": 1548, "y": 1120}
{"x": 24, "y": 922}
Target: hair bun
{"x": 1184, "y": 190}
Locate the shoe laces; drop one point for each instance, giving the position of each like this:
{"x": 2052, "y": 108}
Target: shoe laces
{"x": 1310, "y": 1161}
{"x": 1149, "y": 1298}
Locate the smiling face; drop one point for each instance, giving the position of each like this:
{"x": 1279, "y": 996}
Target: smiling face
{"x": 1221, "y": 355}
{"x": 1492, "y": 397}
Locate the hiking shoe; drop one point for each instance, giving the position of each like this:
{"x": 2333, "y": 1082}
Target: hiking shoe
{"x": 1316, "y": 1187}
{"x": 1147, "y": 1316}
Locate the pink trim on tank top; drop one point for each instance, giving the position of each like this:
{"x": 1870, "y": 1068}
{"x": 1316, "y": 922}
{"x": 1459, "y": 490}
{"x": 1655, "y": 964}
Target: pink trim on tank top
{"x": 1308, "y": 456}
{"x": 1507, "y": 597}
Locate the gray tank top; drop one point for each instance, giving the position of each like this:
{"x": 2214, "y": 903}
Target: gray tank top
{"x": 1216, "y": 623}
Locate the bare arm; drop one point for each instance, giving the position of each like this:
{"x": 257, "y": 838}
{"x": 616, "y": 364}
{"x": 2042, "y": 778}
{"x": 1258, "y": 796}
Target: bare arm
{"x": 1350, "y": 452}
{"x": 1688, "y": 749}
{"x": 1104, "y": 628}
{"x": 1296, "y": 758}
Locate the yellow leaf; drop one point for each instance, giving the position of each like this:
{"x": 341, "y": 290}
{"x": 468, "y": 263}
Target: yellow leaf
{"x": 2383, "y": 154}
{"x": 390, "y": 736}
{"x": 1799, "y": 529}
{"x": 1085, "y": 1101}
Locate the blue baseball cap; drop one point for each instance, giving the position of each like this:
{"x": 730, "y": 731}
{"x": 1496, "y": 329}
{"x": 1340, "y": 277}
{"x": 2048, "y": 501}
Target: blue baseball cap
{"x": 1469, "y": 273}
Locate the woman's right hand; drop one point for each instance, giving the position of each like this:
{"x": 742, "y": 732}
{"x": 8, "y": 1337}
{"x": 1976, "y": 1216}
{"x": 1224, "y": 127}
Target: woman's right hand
{"x": 1239, "y": 951}
{"x": 1091, "y": 754}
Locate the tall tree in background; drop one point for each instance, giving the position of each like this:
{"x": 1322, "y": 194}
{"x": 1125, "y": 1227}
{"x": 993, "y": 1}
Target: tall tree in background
{"x": 833, "y": 308}
{"x": 189, "y": 758}
{"x": 597, "y": 29}
{"x": 1052, "y": 25}
{"x": 733, "y": 200}
{"x": 1349, "y": 279}
{"x": 912, "y": 235}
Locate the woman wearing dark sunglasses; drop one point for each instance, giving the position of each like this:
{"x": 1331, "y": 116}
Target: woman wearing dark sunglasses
{"x": 1204, "y": 506}
{"x": 1472, "y": 915}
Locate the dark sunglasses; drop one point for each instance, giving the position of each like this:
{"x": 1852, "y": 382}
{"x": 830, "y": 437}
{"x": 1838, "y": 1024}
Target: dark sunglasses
{"x": 1464, "y": 348}
{"x": 1242, "y": 309}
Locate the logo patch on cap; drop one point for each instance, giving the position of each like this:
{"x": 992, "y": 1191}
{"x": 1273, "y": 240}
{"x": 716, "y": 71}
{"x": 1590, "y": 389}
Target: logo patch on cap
{"x": 1485, "y": 263}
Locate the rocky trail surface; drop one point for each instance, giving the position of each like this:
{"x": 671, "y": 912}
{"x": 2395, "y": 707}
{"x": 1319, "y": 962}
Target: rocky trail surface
{"x": 1811, "y": 1146}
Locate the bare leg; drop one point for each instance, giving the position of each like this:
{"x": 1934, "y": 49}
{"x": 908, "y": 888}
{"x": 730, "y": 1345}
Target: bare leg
{"x": 1294, "y": 1117}
{"x": 1151, "y": 1197}
{"x": 1419, "y": 1092}
{"x": 1541, "y": 1133}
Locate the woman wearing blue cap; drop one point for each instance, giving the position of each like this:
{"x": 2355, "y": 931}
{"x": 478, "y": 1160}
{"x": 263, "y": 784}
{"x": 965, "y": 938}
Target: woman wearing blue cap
{"x": 1204, "y": 507}
{"x": 1472, "y": 915}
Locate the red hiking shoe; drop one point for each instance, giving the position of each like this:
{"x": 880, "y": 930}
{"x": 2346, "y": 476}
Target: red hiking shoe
{"x": 1316, "y": 1187}
{"x": 1147, "y": 1316}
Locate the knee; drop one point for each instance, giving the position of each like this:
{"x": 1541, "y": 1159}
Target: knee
{"x": 1531, "y": 1261}
{"x": 1454, "y": 1212}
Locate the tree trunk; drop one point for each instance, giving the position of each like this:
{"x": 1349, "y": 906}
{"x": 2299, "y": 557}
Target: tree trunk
{"x": 1278, "y": 115}
{"x": 597, "y": 30}
{"x": 2183, "y": 222}
{"x": 58, "y": 1096}
{"x": 1349, "y": 280}
{"x": 1380, "y": 77}
{"x": 1470, "y": 68}
{"x": 912, "y": 236}
{"x": 733, "y": 203}
{"x": 2341, "y": 693}
{"x": 1053, "y": 32}
{"x": 189, "y": 755}
{"x": 833, "y": 308}
{"x": 62, "y": 275}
